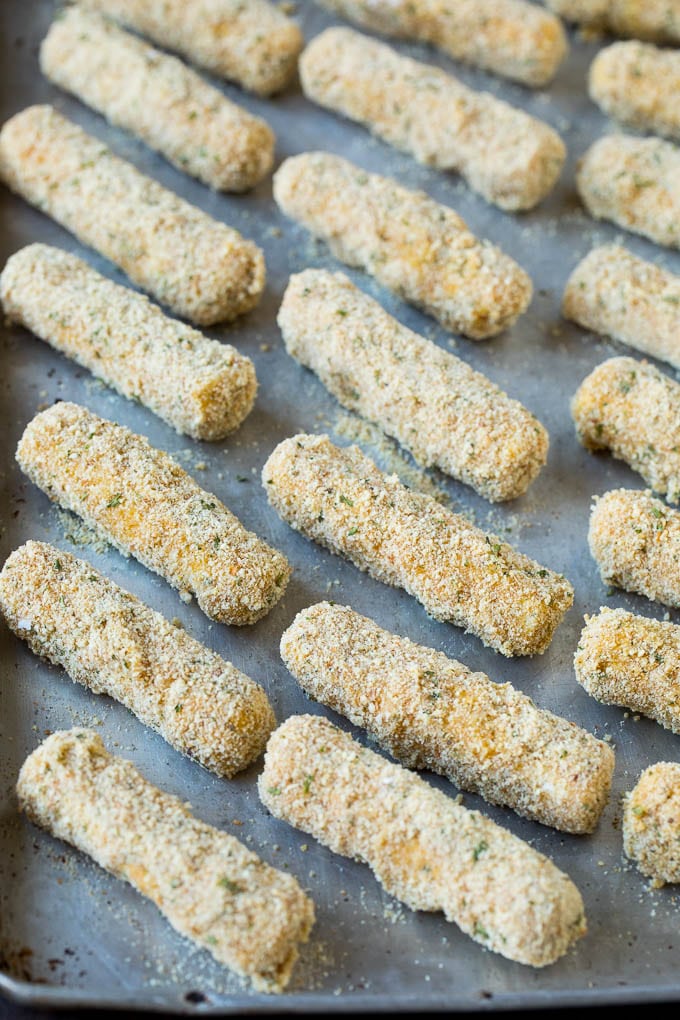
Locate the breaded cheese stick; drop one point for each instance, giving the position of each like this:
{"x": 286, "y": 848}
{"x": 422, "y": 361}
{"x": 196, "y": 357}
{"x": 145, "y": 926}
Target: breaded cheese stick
{"x": 340, "y": 499}
{"x": 632, "y": 661}
{"x": 611, "y": 291}
{"x": 431, "y": 712}
{"x": 635, "y": 183}
{"x": 142, "y": 502}
{"x": 251, "y": 43}
{"x": 638, "y": 84}
{"x": 423, "y": 847}
{"x": 210, "y": 888}
{"x": 517, "y": 40}
{"x": 656, "y": 20}
{"x": 109, "y": 641}
{"x": 202, "y": 387}
{"x": 509, "y": 157}
{"x": 199, "y": 267}
{"x": 438, "y": 407}
{"x": 159, "y": 99}
{"x": 635, "y": 541}
{"x": 421, "y": 250}
{"x": 632, "y": 409}
{"x": 651, "y": 822}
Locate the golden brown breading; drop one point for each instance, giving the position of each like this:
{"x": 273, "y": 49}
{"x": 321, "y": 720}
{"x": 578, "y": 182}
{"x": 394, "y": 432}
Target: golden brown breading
{"x": 657, "y": 20}
{"x": 651, "y": 822}
{"x": 638, "y": 84}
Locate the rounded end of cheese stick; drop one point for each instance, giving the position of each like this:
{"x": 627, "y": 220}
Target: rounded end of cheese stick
{"x": 651, "y": 823}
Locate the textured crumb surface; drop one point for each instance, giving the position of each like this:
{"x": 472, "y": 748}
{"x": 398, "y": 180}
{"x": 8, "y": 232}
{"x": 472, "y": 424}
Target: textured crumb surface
{"x": 432, "y": 712}
{"x": 614, "y": 292}
{"x": 425, "y": 849}
{"x": 338, "y": 497}
{"x": 201, "y": 387}
{"x": 108, "y": 640}
{"x": 212, "y": 889}
{"x": 421, "y": 250}
{"x": 199, "y": 267}
{"x": 638, "y": 84}
{"x": 148, "y": 506}
{"x": 657, "y": 20}
{"x": 635, "y": 541}
{"x": 509, "y": 157}
{"x": 651, "y": 822}
{"x": 251, "y": 43}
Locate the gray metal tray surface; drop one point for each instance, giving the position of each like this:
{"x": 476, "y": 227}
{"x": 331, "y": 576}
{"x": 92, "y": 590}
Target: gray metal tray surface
{"x": 73, "y": 935}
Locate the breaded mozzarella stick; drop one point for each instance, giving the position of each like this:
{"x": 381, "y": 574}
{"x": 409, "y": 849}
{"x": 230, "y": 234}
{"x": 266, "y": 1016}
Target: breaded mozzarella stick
{"x": 423, "y": 847}
{"x": 340, "y": 499}
{"x": 638, "y": 84}
{"x": 210, "y": 888}
{"x": 632, "y": 409}
{"x": 157, "y": 98}
{"x": 657, "y": 20}
{"x": 251, "y": 43}
{"x": 142, "y": 502}
{"x": 199, "y": 267}
{"x": 635, "y": 183}
{"x": 431, "y": 712}
{"x": 632, "y": 661}
{"x": 109, "y": 641}
{"x": 202, "y": 387}
{"x": 512, "y": 38}
{"x": 438, "y": 407}
{"x": 612, "y": 292}
{"x": 635, "y": 541}
{"x": 421, "y": 250}
{"x": 651, "y": 822}
{"x": 509, "y": 157}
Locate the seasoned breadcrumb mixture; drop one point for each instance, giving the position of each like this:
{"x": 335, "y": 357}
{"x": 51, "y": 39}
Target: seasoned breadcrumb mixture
{"x": 146, "y": 505}
{"x": 632, "y": 661}
{"x": 109, "y": 641}
{"x": 210, "y": 888}
{"x": 159, "y": 99}
{"x": 656, "y": 20}
{"x": 431, "y": 712}
{"x": 651, "y": 823}
{"x": 340, "y": 499}
{"x": 638, "y": 84}
{"x": 632, "y": 409}
{"x": 635, "y": 541}
{"x": 251, "y": 42}
{"x": 423, "y": 847}
{"x": 509, "y": 157}
{"x": 611, "y": 291}
{"x": 517, "y": 40}
{"x": 200, "y": 268}
{"x": 635, "y": 183}
{"x": 202, "y": 387}
{"x": 421, "y": 250}
{"x": 441, "y": 410}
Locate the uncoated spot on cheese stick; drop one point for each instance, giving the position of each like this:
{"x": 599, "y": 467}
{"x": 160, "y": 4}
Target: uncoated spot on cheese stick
{"x": 657, "y": 20}
{"x": 249, "y": 916}
{"x": 638, "y": 84}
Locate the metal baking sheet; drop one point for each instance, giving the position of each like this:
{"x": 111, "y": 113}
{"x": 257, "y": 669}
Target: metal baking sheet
{"x": 72, "y": 935}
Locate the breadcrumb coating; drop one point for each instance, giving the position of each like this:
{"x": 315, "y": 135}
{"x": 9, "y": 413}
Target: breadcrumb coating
{"x": 340, "y": 499}
{"x": 421, "y": 250}
{"x": 159, "y": 99}
{"x": 635, "y": 541}
{"x": 612, "y": 291}
{"x": 440, "y": 409}
{"x": 632, "y": 409}
{"x": 509, "y": 157}
{"x": 202, "y": 387}
{"x": 632, "y": 661}
{"x": 210, "y": 888}
{"x": 431, "y": 712}
{"x": 109, "y": 641}
{"x": 202, "y": 269}
{"x": 656, "y": 20}
{"x": 638, "y": 84}
{"x": 651, "y": 822}
{"x": 252, "y": 43}
{"x": 142, "y": 502}
{"x": 635, "y": 183}
{"x": 517, "y": 40}
{"x": 423, "y": 847}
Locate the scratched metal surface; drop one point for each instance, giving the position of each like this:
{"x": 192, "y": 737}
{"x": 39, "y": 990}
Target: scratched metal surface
{"x": 71, "y": 934}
